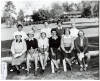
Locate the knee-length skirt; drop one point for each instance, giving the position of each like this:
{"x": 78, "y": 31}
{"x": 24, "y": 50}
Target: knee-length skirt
{"x": 18, "y": 60}
{"x": 57, "y": 54}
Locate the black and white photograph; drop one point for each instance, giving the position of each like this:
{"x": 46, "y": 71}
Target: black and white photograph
{"x": 49, "y": 39}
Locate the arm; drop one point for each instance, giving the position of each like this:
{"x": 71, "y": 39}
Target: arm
{"x": 47, "y": 45}
{"x": 24, "y": 48}
{"x": 12, "y": 48}
{"x": 52, "y": 51}
{"x": 72, "y": 46}
{"x": 86, "y": 45}
{"x": 36, "y": 44}
{"x": 62, "y": 45}
{"x": 76, "y": 45}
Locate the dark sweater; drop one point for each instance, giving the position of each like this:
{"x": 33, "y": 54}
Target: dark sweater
{"x": 54, "y": 43}
{"x": 32, "y": 43}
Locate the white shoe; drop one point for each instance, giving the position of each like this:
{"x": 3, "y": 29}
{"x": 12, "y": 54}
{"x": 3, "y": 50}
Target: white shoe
{"x": 81, "y": 69}
{"x": 86, "y": 65}
{"x": 11, "y": 70}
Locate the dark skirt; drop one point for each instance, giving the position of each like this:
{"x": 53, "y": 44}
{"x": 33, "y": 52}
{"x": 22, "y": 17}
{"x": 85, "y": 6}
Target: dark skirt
{"x": 67, "y": 55}
{"x": 57, "y": 54}
{"x": 82, "y": 49}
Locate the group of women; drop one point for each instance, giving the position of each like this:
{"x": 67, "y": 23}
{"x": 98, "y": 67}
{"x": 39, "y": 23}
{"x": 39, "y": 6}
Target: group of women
{"x": 56, "y": 48}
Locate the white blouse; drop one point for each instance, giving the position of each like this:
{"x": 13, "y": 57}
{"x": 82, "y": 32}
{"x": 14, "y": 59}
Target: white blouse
{"x": 43, "y": 43}
{"x": 67, "y": 40}
{"x": 17, "y": 47}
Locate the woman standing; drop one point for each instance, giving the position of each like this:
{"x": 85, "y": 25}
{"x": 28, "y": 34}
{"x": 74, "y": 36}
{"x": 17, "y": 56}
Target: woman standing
{"x": 43, "y": 45}
{"x": 18, "y": 50}
{"x": 81, "y": 45}
{"x": 54, "y": 44}
{"x": 67, "y": 45}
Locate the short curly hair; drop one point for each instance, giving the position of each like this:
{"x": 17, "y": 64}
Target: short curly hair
{"x": 19, "y": 25}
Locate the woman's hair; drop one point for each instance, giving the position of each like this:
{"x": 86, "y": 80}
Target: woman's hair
{"x": 66, "y": 30}
{"x": 81, "y": 31}
{"x": 45, "y": 22}
{"x": 19, "y": 25}
{"x": 29, "y": 34}
{"x": 59, "y": 21}
{"x": 19, "y": 41}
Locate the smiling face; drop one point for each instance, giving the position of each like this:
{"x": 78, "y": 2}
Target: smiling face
{"x": 81, "y": 33}
{"x": 53, "y": 33}
{"x": 20, "y": 28}
{"x": 43, "y": 35}
{"x": 31, "y": 35}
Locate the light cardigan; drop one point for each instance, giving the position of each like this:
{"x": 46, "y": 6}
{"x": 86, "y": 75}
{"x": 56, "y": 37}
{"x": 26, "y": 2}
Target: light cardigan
{"x": 18, "y": 48}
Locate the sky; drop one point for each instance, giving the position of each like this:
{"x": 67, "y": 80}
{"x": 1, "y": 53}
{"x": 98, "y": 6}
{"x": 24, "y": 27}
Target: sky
{"x": 29, "y": 5}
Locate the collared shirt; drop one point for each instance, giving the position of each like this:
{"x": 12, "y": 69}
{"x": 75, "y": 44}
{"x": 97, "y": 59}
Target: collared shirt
{"x": 24, "y": 36}
{"x": 43, "y": 43}
{"x": 47, "y": 31}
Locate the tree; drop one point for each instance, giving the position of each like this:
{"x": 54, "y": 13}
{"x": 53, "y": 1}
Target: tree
{"x": 73, "y": 6}
{"x": 20, "y": 16}
{"x": 57, "y": 10}
{"x": 65, "y": 6}
{"x": 45, "y": 14}
{"x": 9, "y": 12}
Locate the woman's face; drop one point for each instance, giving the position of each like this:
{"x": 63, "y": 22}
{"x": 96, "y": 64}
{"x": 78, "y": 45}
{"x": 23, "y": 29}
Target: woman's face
{"x": 67, "y": 31}
{"x": 43, "y": 35}
{"x": 81, "y": 33}
{"x": 20, "y": 28}
{"x": 59, "y": 24}
{"x": 31, "y": 35}
{"x": 54, "y": 33}
{"x": 18, "y": 37}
